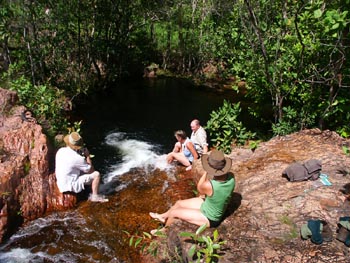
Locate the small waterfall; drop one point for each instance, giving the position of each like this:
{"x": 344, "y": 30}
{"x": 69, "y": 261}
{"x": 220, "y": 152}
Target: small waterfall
{"x": 134, "y": 154}
{"x": 73, "y": 236}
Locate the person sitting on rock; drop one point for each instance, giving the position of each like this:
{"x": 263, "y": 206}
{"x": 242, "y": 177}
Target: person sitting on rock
{"x": 183, "y": 151}
{"x": 74, "y": 168}
{"x": 199, "y": 137}
{"x": 217, "y": 191}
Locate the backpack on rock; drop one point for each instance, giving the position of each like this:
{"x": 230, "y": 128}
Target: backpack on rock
{"x": 310, "y": 170}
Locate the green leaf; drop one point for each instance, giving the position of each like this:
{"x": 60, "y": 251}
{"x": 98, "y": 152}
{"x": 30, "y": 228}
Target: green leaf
{"x": 216, "y": 234}
{"x": 192, "y": 251}
{"x": 216, "y": 246}
{"x": 148, "y": 235}
{"x": 201, "y": 229}
{"x": 318, "y": 13}
{"x": 335, "y": 26}
{"x": 186, "y": 234}
{"x": 138, "y": 241}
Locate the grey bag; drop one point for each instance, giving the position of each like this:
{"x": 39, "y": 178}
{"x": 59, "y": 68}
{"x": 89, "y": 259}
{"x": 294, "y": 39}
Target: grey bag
{"x": 310, "y": 170}
{"x": 313, "y": 168}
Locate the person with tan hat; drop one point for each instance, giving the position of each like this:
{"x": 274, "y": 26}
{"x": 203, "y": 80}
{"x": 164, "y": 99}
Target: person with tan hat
{"x": 216, "y": 183}
{"x": 74, "y": 168}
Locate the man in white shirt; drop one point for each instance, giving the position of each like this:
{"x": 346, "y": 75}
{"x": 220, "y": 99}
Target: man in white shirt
{"x": 199, "y": 137}
{"x": 74, "y": 168}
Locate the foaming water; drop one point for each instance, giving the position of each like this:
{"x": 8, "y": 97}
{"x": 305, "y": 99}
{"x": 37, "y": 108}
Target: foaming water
{"x": 55, "y": 238}
{"x": 134, "y": 154}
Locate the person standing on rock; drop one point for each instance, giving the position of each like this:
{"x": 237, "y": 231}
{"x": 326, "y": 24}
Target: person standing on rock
{"x": 184, "y": 151}
{"x": 199, "y": 137}
{"x": 218, "y": 191}
{"x": 74, "y": 168}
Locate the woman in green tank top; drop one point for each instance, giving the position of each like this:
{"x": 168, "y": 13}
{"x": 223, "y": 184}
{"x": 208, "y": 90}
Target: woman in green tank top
{"x": 218, "y": 190}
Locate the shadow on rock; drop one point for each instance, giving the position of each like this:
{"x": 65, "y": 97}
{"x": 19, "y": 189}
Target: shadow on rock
{"x": 234, "y": 204}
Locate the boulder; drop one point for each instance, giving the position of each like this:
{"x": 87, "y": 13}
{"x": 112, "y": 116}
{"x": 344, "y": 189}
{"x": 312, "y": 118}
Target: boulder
{"x": 267, "y": 211}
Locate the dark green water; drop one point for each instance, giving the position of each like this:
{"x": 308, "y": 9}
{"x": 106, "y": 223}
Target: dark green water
{"x": 150, "y": 111}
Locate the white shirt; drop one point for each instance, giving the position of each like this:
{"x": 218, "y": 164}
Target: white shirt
{"x": 199, "y": 139}
{"x": 69, "y": 166}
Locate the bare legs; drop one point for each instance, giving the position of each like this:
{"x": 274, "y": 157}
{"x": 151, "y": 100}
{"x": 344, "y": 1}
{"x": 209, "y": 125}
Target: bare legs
{"x": 178, "y": 155}
{"x": 95, "y": 183}
{"x": 187, "y": 210}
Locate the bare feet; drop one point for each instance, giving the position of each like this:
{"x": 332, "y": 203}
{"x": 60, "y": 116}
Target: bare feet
{"x": 157, "y": 217}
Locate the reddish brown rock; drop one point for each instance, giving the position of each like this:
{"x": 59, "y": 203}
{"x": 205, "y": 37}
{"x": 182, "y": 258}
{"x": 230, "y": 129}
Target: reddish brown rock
{"x": 27, "y": 189}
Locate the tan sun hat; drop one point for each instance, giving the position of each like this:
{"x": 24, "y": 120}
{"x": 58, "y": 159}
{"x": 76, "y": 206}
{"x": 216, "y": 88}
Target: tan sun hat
{"x": 215, "y": 163}
{"x": 74, "y": 141}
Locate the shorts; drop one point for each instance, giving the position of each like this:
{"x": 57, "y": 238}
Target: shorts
{"x": 85, "y": 179}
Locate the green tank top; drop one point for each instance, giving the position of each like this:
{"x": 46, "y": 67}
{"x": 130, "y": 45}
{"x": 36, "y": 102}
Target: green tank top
{"x": 214, "y": 206}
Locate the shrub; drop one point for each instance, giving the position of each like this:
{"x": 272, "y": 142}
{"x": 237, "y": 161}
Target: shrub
{"x": 46, "y": 102}
{"x": 225, "y": 129}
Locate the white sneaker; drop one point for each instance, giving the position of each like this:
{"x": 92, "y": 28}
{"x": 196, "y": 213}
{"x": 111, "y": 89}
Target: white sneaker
{"x": 98, "y": 198}
{"x": 189, "y": 168}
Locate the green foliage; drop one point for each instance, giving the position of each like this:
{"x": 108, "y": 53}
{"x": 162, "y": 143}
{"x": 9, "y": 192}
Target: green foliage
{"x": 254, "y": 144}
{"x": 46, "y": 102}
{"x": 76, "y": 127}
{"x": 288, "y": 124}
{"x": 346, "y": 149}
{"x": 204, "y": 247}
{"x": 292, "y": 121}
{"x": 344, "y": 132}
{"x": 289, "y": 53}
{"x": 26, "y": 167}
{"x": 225, "y": 129}
{"x": 144, "y": 242}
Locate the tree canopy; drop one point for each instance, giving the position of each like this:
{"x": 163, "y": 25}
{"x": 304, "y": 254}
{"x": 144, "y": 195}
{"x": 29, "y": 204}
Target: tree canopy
{"x": 292, "y": 55}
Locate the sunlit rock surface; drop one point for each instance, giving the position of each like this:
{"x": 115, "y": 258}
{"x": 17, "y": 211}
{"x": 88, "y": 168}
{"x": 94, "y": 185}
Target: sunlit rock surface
{"x": 27, "y": 189}
{"x": 264, "y": 219}
{"x": 262, "y": 223}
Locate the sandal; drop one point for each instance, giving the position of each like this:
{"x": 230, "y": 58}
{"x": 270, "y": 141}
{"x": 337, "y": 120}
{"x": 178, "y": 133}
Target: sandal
{"x": 343, "y": 234}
